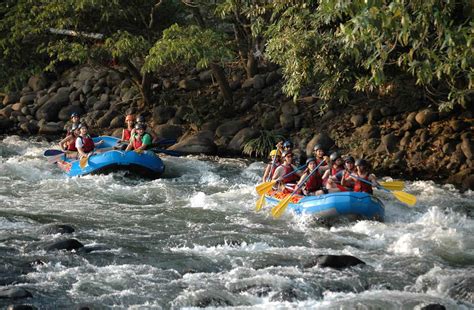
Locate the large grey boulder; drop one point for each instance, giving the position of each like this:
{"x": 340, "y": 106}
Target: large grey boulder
{"x": 50, "y": 110}
{"x": 167, "y": 131}
{"x": 199, "y": 143}
{"x": 230, "y": 128}
{"x": 321, "y": 138}
{"x": 237, "y": 143}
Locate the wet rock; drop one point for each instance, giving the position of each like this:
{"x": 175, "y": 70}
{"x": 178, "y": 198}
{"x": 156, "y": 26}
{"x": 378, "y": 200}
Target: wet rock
{"x": 334, "y": 261}
{"x": 105, "y": 120}
{"x": 390, "y": 142}
{"x": 426, "y": 117}
{"x": 357, "y": 120}
{"x": 272, "y": 78}
{"x": 5, "y": 124}
{"x": 21, "y": 307}
{"x": 248, "y": 83}
{"x": 205, "y": 76}
{"x": 11, "y": 98}
{"x": 68, "y": 245}
{"x": 200, "y": 143}
{"x": 52, "y": 229}
{"x": 467, "y": 148}
{"x": 259, "y": 81}
{"x": 374, "y": 116}
{"x": 287, "y": 121}
{"x": 50, "y": 129}
{"x": 161, "y": 114}
{"x": 65, "y": 113}
{"x": 230, "y": 128}
{"x": 14, "y": 293}
{"x": 237, "y": 143}
{"x": 29, "y": 128}
{"x": 288, "y": 294}
{"x": 117, "y": 122}
{"x": 321, "y": 138}
{"x": 368, "y": 132}
{"x": 28, "y": 99}
{"x": 49, "y": 111}
{"x": 433, "y": 307}
{"x": 167, "y": 131}
{"x": 189, "y": 84}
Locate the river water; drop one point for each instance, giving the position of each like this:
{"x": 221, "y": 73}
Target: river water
{"x": 193, "y": 239}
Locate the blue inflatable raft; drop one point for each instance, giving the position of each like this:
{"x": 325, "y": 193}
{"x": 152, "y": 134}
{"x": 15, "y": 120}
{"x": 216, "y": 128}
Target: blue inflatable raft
{"x": 350, "y": 205}
{"x": 146, "y": 164}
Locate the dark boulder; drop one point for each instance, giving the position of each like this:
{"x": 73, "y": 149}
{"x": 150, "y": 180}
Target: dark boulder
{"x": 433, "y": 307}
{"x": 334, "y": 261}
{"x": 68, "y": 245}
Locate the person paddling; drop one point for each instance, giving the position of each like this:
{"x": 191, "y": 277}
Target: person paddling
{"x": 69, "y": 143}
{"x": 287, "y": 183}
{"x": 314, "y": 182}
{"x": 272, "y": 165}
{"x": 347, "y": 181}
{"x": 84, "y": 143}
{"x": 141, "y": 120}
{"x": 363, "y": 172}
{"x": 140, "y": 140}
{"x": 319, "y": 156}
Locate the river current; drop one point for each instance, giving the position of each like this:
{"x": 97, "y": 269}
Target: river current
{"x": 193, "y": 239}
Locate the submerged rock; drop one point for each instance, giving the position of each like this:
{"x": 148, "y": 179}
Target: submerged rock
{"x": 68, "y": 245}
{"x": 335, "y": 261}
{"x": 14, "y": 293}
{"x": 52, "y": 229}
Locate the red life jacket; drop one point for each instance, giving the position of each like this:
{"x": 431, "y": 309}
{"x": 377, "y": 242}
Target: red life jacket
{"x": 290, "y": 178}
{"x": 348, "y": 181}
{"x": 273, "y": 167}
{"x": 360, "y": 186}
{"x": 314, "y": 182}
{"x": 87, "y": 144}
{"x": 127, "y": 134}
{"x": 71, "y": 145}
{"x": 335, "y": 171}
{"x": 318, "y": 161}
{"x": 137, "y": 141}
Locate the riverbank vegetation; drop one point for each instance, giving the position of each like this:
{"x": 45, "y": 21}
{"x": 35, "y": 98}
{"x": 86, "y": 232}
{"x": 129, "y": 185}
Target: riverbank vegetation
{"x": 333, "y": 47}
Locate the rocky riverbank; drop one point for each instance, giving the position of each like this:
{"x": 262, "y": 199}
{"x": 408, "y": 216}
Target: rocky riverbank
{"x": 399, "y": 132}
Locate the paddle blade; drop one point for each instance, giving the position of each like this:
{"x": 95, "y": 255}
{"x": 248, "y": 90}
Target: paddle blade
{"x": 409, "y": 199}
{"x": 52, "y": 152}
{"x": 260, "y": 203}
{"x": 393, "y": 185}
{"x": 264, "y": 187}
{"x": 278, "y": 210}
{"x": 83, "y": 162}
{"x": 139, "y": 151}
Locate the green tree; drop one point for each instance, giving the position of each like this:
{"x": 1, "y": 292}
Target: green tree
{"x": 96, "y": 31}
{"x": 191, "y": 44}
{"x": 339, "y": 46}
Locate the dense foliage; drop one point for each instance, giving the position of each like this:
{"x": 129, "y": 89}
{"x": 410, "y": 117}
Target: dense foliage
{"x": 332, "y": 47}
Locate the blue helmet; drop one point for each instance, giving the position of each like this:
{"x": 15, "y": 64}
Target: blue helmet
{"x": 288, "y": 144}
{"x": 74, "y": 114}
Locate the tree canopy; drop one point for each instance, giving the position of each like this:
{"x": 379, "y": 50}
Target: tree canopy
{"x": 332, "y": 47}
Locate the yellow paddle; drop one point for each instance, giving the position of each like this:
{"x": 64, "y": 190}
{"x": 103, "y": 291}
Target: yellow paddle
{"x": 83, "y": 162}
{"x": 393, "y": 185}
{"x": 404, "y": 197}
{"x": 260, "y": 203}
{"x": 278, "y": 210}
{"x": 265, "y": 187}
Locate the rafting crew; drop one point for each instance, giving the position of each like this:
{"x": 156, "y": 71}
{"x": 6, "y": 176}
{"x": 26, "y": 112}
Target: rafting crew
{"x": 84, "y": 143}
{"x": 286, "y": 174}
{"x": 314, "y": 182}
{"x": 275, "y": 162}
{"x": 140, "y": 139}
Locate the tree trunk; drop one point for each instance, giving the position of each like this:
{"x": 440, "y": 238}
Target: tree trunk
{"x": 222, "y": 81}
{"x": 251, "y": 67}
{"x": 143, "y": 82}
